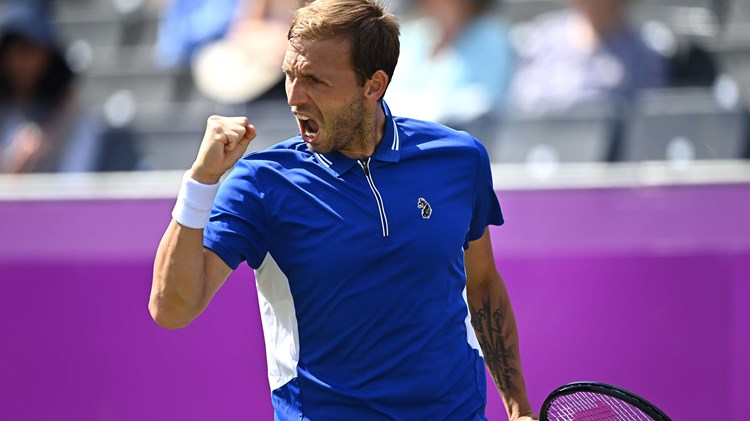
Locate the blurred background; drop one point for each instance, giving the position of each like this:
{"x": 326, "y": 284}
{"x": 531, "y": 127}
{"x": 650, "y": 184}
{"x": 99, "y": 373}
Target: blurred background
{"x": 620, "y": 141}
{"x": 113, "y": 85}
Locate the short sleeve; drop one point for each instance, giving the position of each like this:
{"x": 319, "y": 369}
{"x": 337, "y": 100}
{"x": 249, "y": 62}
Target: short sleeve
{"x": 238, "y": 228}
{"x": 486, "y": 209}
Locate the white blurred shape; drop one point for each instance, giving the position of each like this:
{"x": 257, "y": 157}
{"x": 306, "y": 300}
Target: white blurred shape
{"x": 659, "y": 37}
{"x": 120, "y": 108}
{"x": 126, "y": 7}
{"x": 521, "y": 37}
{"x": 680, "y": 152}
{"x": 542, "y": 162}
{"x": 80, "y": 56}
{"x": 726, "y": 92}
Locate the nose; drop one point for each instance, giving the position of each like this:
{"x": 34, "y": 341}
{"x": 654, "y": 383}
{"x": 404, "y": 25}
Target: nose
{"x": 295, "y": 93}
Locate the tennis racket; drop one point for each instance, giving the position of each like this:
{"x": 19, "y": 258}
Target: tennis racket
{"x": 592, "y": 401}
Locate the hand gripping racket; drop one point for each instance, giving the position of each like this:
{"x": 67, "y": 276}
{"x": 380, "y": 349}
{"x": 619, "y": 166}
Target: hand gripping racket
{"x": 592, "y": 401}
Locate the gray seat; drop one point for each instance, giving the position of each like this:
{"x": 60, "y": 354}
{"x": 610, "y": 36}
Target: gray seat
{"x": 105, "y": 30}
{"x": 692, "y": 18}
{"x": 87, "y": 8}
{"x": 96, "y": 31}
{"x": 585, "y": 133}
{"x": 99, "y": 8}
{"x": 739, "y": 11}
{"x": 169, "y": 137}
{"x": 145, "y": 87}
{"x": 525, "y": 10}
{"x": 733, "y": 52}
{"x": 685, "y": 124}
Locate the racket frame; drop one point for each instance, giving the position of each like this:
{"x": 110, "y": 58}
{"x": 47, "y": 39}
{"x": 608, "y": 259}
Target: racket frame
{"x": 604, "y": 389}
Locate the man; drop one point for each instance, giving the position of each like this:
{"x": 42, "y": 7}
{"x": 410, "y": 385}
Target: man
{"x": 585, "y": 52}
{"x": 364, "y": 231}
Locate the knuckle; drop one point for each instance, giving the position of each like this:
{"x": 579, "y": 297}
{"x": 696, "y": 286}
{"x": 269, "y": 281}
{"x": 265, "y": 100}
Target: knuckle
{"x": 217, "y": 135}
{"x": 215, "y": 121}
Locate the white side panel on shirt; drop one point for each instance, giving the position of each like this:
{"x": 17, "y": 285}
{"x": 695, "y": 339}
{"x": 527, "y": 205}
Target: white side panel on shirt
{"x": 471, "y": 336}
{"x": 279, "y": 323}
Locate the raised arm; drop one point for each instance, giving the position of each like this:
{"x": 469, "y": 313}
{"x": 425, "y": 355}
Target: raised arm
{"x": 495, "y": 327}
{"x": 186, "y": 275}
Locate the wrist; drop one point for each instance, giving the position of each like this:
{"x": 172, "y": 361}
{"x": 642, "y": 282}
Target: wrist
{"x": 203, "y": 177}
{"x": 194, "y": 202}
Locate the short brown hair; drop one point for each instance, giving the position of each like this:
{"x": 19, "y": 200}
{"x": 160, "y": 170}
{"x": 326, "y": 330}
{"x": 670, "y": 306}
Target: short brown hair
{"x": 372, "y": 32}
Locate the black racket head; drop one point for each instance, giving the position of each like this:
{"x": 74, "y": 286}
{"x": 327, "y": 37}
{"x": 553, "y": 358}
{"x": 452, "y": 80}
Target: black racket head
{"x": 594, "y": 401}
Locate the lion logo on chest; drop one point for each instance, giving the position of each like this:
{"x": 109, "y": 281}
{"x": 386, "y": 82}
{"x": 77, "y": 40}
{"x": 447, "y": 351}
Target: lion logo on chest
{"x": 425, "y": 207}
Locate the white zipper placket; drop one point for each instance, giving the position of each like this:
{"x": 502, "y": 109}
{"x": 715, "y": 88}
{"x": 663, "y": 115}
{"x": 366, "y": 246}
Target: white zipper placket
{"x": 378, "y": 198}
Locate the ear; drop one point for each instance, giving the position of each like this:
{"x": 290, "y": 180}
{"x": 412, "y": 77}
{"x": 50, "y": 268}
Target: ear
{"x": 376, "y": 85}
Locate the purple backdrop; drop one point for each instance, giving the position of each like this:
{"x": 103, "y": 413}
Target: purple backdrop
{"x": 645, "y": 288}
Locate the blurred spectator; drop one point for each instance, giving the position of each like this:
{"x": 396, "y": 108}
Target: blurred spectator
{"x": 587, "y": 52}
{"x": 234, "y": 47}
{"x": 693, "y": 65}
{"x": 187, "y": 25}
{"x": 41, "y": 127}
{"x": 455, "y": 62}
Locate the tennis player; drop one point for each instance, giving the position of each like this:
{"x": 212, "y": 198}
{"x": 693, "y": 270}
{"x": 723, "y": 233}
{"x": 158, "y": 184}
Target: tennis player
{"x": 378, "y": 291}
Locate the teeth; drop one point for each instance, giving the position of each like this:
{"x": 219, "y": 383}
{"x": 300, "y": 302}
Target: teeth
{"x": 310, "y": 134}
{"x": 303, "y": 118}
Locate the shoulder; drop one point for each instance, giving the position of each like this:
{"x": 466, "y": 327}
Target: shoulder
{"x": 283, "y": 155}
{"x": 488, "y": 27}
{"x": 422, "y": 139}
{"x": 421, "y": 133}
{"x": 551, "y": 24}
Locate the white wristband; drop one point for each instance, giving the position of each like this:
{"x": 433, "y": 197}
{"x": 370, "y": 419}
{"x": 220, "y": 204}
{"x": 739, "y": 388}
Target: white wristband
{"x": 194, "y": 203}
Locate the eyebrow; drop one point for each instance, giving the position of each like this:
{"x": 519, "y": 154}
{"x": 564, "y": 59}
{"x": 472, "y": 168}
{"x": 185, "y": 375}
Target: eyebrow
{"x": 303, "y": 73}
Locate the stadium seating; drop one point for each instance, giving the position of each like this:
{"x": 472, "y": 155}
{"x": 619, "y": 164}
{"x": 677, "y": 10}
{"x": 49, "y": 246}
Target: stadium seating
{"x": 111, "y": 46}
{"x": 169, "y": 137}
{"x": 693, "y": 18}
{"x": 584, "y": 133}
{"x": 683, "y": 125}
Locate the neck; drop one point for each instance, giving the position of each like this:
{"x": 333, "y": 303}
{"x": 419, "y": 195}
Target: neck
{"x": 23, "y": 98}
{"x": 452, "y": 24}
{"x": 371, "y": 134}
{"x": 587, "y": 34}
{"x": 604, "y": 24}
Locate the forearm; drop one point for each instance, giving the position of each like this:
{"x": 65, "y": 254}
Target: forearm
{"x": 179, "y": 280}
{"x": 186, "y": 275}
{"x": 495, "y": 327}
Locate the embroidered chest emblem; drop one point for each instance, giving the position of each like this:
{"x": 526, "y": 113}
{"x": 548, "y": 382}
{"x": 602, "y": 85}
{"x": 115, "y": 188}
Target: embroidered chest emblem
{"x": 426, "y": 208}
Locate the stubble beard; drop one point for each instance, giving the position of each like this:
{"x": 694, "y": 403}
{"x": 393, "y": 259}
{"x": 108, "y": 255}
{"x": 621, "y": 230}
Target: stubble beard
{"x": 350, "y": 129}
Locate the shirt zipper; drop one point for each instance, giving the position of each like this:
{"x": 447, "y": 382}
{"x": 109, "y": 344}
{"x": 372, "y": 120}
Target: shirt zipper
{"x": 378, "y": 198}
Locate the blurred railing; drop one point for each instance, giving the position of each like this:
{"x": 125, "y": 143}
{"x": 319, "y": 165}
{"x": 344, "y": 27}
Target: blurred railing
{"x": 524, "y": 176}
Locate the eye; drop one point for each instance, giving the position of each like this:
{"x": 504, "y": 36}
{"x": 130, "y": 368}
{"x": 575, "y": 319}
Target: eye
{"x": 316, "y": 80}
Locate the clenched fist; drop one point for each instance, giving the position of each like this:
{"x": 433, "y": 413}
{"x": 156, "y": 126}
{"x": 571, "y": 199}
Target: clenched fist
{"x": 224, "y": 143}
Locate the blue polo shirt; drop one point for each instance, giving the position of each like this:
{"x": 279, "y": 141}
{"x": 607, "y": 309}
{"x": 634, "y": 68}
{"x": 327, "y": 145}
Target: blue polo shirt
{"x": 360, "y": 272}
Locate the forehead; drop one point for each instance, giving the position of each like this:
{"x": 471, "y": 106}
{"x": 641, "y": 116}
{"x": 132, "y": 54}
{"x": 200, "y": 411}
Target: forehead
{"x": 318, "y": 55}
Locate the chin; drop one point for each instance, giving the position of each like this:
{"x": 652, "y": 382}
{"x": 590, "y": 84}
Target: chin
{"x": 318, "y": 148}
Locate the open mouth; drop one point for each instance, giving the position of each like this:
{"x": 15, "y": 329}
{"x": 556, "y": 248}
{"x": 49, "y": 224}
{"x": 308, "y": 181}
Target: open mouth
{"x": 308, "y": 128}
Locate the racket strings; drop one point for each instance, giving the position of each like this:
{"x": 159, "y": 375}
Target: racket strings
{"x": 590, "y": 406}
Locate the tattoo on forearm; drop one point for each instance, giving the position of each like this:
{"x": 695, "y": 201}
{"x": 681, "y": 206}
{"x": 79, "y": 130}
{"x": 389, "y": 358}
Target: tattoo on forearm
{"x": 493, "y": 335}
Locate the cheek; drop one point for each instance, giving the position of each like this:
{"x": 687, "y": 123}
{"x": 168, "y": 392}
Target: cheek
{"x": 28, "y": 65}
